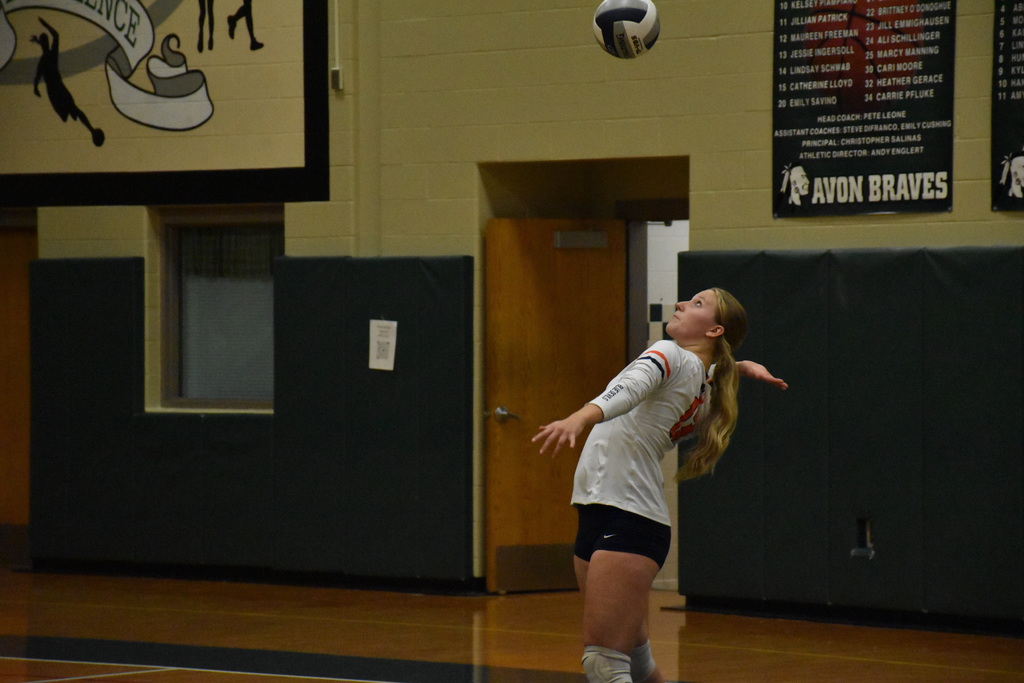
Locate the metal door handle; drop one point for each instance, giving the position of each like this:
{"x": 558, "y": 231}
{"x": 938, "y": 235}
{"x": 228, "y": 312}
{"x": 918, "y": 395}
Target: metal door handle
{"x": 502, "y": 415}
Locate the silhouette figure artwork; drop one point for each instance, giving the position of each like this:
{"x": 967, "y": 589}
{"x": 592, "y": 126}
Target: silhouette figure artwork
{"x": 245, "y": 11}
{"x": 48, "y": 71}
{"x": 205, "y": 16}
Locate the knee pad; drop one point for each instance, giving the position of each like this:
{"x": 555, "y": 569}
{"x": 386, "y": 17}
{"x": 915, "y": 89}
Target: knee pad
{"x": 641, "y": 662}
{"x": 604, "y": 665}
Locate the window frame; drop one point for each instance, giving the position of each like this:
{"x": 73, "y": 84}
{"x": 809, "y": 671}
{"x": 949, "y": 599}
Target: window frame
{"x": 172, "y": 221}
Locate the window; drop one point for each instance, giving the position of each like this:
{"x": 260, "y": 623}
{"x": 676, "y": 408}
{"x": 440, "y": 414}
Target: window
{"x": 218, "y": 312}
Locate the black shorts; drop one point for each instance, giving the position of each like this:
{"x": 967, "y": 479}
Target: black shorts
{"x": 603, "y": 527}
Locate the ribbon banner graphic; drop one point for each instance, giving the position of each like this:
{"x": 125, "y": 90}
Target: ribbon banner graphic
{"x": 179, "y": 99}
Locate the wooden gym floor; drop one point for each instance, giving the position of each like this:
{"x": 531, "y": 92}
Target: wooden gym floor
{"x": 65, "y": 627}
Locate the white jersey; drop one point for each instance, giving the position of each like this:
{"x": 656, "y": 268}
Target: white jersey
{"x": 649, "y": 406}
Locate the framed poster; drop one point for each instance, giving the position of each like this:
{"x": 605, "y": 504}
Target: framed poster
{"x": 863, "y": 107}
{"x": 136, "y": 102}
{"x": 1008, "y": 107}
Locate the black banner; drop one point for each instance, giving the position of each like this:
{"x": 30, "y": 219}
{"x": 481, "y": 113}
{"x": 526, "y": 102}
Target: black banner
{"x": 863, "y": 107}
{"x": 1008, "y": 107}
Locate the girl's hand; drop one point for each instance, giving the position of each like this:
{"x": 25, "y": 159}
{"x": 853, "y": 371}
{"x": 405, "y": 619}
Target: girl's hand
{"x": 749, "y": 368}
{"x": 558, "y": 433}
{"x": 561, "y": 432}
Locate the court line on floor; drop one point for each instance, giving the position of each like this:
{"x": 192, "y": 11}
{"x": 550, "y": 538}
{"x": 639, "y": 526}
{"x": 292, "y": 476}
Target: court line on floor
{"x": 144, "y": 669}
{"x": 849, "y": 658}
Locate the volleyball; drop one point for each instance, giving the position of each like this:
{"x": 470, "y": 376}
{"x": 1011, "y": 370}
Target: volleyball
{"x": 626, "y": 28}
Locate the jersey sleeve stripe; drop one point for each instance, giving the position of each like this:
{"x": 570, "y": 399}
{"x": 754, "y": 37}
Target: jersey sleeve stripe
{"x": 666, "y": 369}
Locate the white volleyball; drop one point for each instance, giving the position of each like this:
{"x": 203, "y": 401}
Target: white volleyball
{"x": 626, "y": 28}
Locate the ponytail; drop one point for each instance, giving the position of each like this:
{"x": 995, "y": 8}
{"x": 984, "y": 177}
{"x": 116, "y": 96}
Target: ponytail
{"x": 716, "y": 425}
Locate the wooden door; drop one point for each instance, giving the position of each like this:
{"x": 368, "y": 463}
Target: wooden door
{"x": 18, "y": 247}
{"x": 555, "y": 334}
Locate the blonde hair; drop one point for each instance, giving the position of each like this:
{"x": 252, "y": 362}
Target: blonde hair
{"x": 717, "y": 419}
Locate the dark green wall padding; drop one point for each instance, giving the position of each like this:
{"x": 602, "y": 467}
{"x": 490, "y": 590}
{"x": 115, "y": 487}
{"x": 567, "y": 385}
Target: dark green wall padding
{"x": 359, "y": 472}
{"x": 904, "y": 409}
